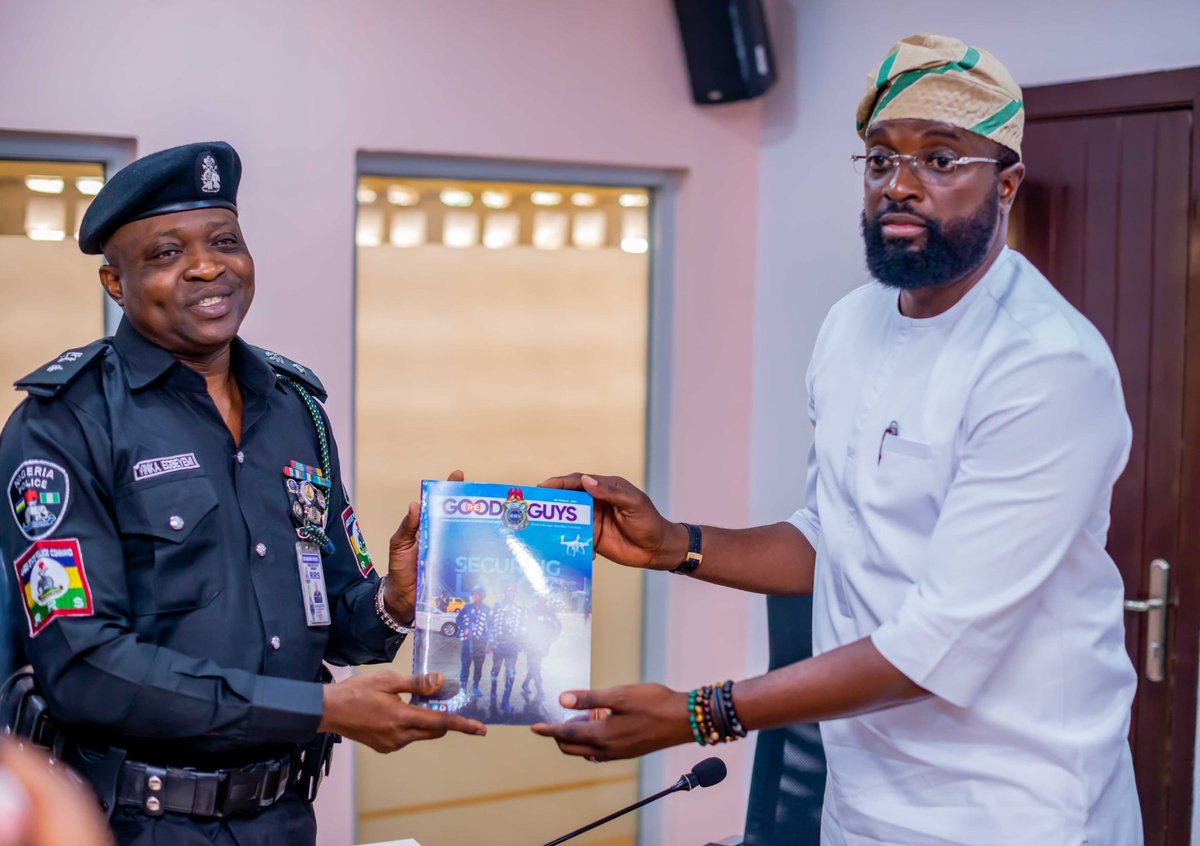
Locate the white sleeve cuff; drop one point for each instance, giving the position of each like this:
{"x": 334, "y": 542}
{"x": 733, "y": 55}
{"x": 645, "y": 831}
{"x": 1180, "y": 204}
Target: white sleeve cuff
{"x": 937, "y": 661}
{"x": 806, "y": 521}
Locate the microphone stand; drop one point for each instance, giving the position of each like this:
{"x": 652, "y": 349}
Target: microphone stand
{"x": 682, "y": 784}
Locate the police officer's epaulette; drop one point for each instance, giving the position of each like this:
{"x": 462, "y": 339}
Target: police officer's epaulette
{"x": 294, "y": 370}
{"x": 55, "y": 376}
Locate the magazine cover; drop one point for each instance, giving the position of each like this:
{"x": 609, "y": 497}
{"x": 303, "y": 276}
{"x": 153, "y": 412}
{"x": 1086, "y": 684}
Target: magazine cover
{"x": 504, "y": 599}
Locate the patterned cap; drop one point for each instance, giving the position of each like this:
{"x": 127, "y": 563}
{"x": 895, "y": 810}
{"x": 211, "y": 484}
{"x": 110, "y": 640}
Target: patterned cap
{"x": 932, "y": 77}
{"x": 194, "y": 176}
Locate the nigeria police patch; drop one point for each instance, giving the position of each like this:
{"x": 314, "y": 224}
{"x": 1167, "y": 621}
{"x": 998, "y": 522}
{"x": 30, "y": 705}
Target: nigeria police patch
{"x": 357, "y": 542}
{"x": 52, "y": 582}
{"x": 38, "y": 492}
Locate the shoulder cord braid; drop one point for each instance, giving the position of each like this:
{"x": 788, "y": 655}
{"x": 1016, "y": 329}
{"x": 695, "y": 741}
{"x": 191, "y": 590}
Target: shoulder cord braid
{"x": 314, "y": 533}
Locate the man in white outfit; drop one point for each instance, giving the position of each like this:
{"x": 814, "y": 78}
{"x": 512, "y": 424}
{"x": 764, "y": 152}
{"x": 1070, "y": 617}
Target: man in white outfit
{"x": 970, "y": 672}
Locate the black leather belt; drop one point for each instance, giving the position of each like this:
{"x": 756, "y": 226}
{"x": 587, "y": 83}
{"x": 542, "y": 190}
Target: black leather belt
{"x": 218, "y": 794}
{"x": 158, "y": 790}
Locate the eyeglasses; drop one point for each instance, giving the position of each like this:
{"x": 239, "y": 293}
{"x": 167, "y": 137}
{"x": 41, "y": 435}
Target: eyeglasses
{"x": 932, "y": 168}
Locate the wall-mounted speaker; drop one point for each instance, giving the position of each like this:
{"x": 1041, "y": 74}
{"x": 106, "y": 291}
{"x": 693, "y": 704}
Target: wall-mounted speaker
{"x": 728, "y": 53}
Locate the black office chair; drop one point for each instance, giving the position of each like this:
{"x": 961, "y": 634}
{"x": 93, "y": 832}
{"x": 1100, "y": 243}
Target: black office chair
{"x": 788, "y": 780}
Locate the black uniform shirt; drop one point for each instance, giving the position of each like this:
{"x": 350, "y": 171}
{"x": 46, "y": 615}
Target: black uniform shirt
{"x": 507, "y": 623}
{"x": 155, "y": 559}
{"x": 473, "y": 622}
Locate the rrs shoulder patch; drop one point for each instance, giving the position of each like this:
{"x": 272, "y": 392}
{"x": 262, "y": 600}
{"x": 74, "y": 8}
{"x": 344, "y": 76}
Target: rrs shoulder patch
{"x": 52, "y": 582}
{"x": 53, "y": 377}
{"x": 357, "y": 542}
{"x": 293, "y": 370}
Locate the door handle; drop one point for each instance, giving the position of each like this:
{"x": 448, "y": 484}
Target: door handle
{"x": 1155, "y": 609}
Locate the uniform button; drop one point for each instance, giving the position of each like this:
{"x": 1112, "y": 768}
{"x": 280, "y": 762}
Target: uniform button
{"x": 175, "y": 522}
{"x": 261, "y": 549}
{"x": 153, "y": 805}
{"x": 241, "y": 457}
{"x": 275, "y": 642}
{"x": 154, "y": 783}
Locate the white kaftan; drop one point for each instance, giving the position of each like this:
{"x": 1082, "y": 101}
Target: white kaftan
{"x": 958, "y": 499}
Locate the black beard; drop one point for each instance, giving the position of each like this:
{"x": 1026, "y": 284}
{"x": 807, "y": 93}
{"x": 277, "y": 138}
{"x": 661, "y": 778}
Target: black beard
{"x": 950, "y": 252}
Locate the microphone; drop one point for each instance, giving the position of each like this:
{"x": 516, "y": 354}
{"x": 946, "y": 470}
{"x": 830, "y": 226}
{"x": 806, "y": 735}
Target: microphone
{"x": 708, "y": 772}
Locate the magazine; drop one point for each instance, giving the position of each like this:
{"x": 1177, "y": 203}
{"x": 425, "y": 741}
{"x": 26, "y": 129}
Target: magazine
{"x": 504, "y": 599}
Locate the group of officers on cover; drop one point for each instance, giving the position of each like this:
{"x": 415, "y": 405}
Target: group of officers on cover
{"x": 505, "y": 629}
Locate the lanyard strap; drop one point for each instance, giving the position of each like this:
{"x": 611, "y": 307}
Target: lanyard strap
{"x": 315, "y": 533}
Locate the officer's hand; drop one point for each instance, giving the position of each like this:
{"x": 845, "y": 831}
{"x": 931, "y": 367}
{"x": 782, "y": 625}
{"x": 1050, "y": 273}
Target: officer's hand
{"x": 627, "y": 527}
{"x": 400, "y": 592}
{"x": 58, "y": 810}
{"x": 366, "y": 708}
{"x": 643, "y": 718}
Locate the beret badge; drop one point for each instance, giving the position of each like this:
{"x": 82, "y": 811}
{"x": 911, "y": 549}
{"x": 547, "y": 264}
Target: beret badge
{"x": 210, "y": 177}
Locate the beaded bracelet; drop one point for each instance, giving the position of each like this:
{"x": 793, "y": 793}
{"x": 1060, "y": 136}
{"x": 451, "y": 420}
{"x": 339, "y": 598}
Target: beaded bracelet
{"x": 720, "y": 722}
{"x": 736, "y": 730}
{"x": 695, "y": 712}
{"x": 708, "y": 724}
{"x": 701, "y": 713}
{"x": 720, "y": 732}
{"x": 712, "y": 716}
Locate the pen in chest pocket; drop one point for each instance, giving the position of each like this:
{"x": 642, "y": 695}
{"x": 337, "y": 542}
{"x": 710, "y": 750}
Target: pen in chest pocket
{"x": 892, "y": 429}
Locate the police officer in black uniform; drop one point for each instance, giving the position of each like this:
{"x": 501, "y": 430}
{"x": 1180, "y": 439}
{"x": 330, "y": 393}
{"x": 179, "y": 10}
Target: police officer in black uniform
{"x": 542, "y": 628}
{"x": 508, "y": 630}
{"x": 474, "y": 628}
{"x": 180, "y": 542}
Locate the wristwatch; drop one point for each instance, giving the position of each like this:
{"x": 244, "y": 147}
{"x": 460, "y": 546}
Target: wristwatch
{"x": 694, "y": 556}
{"x": 382, "y": 612}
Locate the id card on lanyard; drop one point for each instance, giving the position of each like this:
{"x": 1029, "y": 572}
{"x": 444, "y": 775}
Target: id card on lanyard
{"x": 312, "y": 584}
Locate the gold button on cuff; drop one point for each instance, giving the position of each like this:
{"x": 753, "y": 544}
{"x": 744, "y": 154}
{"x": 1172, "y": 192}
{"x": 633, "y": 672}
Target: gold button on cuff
{"x": 153, "y": 805}
{"x": 154, "y": 783}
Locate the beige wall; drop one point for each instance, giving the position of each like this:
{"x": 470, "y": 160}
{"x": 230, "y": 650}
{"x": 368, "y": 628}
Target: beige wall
{"x": 52, "y": 302}
{"x": 511, "y": 365}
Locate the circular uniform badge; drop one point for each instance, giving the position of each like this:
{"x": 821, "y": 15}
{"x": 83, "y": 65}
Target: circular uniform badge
{"x": 39, "y": 493}
{"x": 51, "y": 581}
{"x": 516, "y": 515}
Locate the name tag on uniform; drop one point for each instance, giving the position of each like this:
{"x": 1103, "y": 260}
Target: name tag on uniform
{"x": 312, "y": 584}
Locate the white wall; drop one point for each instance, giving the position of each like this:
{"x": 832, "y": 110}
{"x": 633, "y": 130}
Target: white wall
{"x": 810, "y": 250}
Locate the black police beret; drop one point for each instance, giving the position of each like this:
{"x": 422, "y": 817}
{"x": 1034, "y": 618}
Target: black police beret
{"x": 194, "y": 176}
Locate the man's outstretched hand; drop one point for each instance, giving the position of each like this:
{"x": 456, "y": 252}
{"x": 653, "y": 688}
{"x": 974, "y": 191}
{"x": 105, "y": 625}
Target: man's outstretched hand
{"x": 627, "y": 527}
{"x": 641, "y": 718}
{"x": 367, "y": 708}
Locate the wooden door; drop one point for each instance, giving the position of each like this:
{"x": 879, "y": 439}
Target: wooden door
{"x": 1108, "y": 212}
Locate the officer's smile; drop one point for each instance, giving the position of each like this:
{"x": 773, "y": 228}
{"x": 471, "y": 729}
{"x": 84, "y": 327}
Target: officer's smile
{"x": 214, "y": 303}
